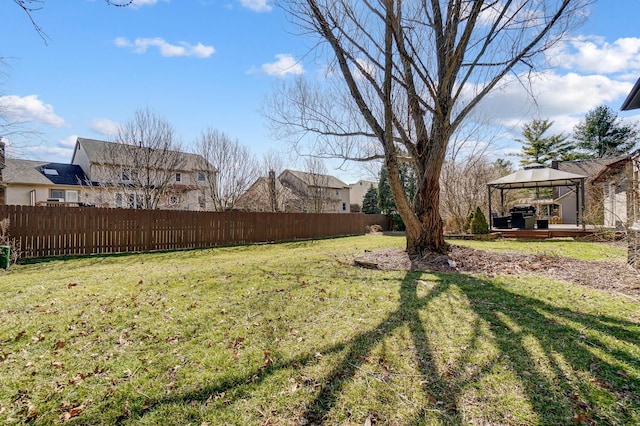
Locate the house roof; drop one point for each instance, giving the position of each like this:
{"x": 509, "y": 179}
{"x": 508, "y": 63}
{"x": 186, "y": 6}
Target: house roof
{"x": 613, "y": 167}
{"x": 42, "y": 173}
{"x": 101, "y": 151}
{"x": 633, "y": 98}
{"x": 587, "y": 168}
{"x": 536, "y": 178}
{"x": 363, "y": 182}
{"x": 319, "y": 180}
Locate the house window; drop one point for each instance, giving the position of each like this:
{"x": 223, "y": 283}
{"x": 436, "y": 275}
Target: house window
{"x": 200, "y": 177}
{"x": 125, "y": 175}
{"x": 178, "y": 177}
{"x": 71, "y": 196}
{"x": 50, "y": 172}
{"x": 132, "y": 201}
{"x": 56, "y": 193}
{"x": 201, "y": 202}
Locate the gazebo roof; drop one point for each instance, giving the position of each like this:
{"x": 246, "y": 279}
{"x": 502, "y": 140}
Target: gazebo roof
{"x": 536, "y": 178}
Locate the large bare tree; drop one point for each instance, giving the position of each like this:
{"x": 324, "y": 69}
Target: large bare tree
{"x": 234, "y": 168}
{"x": 410, "y": 74}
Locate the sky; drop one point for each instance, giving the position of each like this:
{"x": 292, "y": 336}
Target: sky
{"x": 211, "y": 63}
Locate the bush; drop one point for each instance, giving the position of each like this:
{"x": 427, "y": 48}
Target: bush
{"x": 479, "y": 223}
{"x": 467, "y": 221}
{"x": 5, "y": 240}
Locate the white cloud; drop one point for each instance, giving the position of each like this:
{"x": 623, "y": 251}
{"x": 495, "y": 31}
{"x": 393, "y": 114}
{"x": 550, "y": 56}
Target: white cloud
{"x": 104, "y": 126}
{"x": 256, "y": 5}
{"x": 139, "y": 3}
{"x": 140, "y": 45}
{"x": 595, "y": 54}
{"x": 56, "y": 154}
{"x": 68, "y": 142}
{"x": 285, "y": 64}
{"x": 556, "y": 95}
{"x": 29, "y": 108}
{"x": 367, "y": 68}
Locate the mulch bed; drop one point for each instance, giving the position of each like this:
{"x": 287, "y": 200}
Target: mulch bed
{"x": 614, "y": 277}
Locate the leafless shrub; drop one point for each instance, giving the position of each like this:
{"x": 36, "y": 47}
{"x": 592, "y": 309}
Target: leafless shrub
{"x": 6, "y": 240}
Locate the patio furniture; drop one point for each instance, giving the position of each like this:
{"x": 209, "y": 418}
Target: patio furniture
{"x": 522, "y": 217}
{"x": 502, "y": 222}
{"x": 542, "y": 224}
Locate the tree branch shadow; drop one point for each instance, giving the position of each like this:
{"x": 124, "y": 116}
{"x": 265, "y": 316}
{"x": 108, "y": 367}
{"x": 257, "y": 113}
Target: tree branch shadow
{"x": 571, "y": 349}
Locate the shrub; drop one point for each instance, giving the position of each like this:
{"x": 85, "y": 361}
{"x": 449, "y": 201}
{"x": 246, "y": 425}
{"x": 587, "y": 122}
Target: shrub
{"x": 479, "y": 223}
{"x": 5, "y": 240}
{"x": 467, "y": 221}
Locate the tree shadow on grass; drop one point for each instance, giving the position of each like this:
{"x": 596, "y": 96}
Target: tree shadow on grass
{"x": 569, "y": 366}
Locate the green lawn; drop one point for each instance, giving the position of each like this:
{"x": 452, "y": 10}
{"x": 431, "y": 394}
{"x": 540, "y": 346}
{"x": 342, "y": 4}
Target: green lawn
{"x": 293, "y": 334}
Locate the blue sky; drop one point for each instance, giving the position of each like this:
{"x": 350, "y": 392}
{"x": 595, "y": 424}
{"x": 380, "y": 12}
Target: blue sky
{"x": 210, "y": 63}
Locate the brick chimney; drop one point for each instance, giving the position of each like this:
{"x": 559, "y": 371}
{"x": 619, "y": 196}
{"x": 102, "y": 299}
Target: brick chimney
{"x": 273, "y": 199}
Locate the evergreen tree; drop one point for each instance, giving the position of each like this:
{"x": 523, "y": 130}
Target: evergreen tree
{"x": 370, "y": 201}
{"x": 386, "y": 203}
{"x": 537, "y": 149}
{"x": 602, "y": 134}
{"x": 479, "y": 224}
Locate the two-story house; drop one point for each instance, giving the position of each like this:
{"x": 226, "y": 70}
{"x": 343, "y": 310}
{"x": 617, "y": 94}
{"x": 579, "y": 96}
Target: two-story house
{"x": 130, "y": 176}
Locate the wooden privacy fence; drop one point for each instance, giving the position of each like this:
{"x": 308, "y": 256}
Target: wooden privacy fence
{"x": 64, "y": 231}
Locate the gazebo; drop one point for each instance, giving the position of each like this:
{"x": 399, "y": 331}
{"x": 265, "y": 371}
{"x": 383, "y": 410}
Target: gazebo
{"x": 539, "y": 177}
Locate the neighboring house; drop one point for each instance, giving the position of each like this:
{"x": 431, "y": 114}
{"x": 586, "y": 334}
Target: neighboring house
{"x": 266, "y": 194}
{"x": 315, "y": 193}
{"x": 566, "y": 196}
{"x": 296, "y": 191}
{"x": 38, "y": 182}
{"x": 358, "y": 190}
{"x": 118, "y": 176}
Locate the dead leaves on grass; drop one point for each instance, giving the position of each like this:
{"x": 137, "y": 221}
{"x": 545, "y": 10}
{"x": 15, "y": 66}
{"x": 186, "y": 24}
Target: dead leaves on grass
{"x": 70, "y": 411}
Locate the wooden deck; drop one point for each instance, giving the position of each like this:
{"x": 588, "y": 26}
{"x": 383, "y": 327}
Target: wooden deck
{"x": 554, "y": 231}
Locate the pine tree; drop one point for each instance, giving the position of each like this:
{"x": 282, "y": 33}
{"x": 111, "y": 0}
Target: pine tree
{"x": 602, "y": 134}
{"x": 370, "y": 201}
{"x": 537, "y": 149}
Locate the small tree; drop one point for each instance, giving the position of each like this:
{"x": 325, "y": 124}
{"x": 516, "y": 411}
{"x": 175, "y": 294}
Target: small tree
{"x": 479, "y": 223}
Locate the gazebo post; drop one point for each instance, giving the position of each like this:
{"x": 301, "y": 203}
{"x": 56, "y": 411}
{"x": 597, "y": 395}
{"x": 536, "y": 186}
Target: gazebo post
{"x": 578, "y": 212}
{"x": 582, "y": 206}
{"x": 490, "y": 215}
{"x": 502, "y": 202}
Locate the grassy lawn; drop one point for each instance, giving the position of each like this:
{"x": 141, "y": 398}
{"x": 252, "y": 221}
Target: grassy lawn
{"x": 293, "y": 334}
